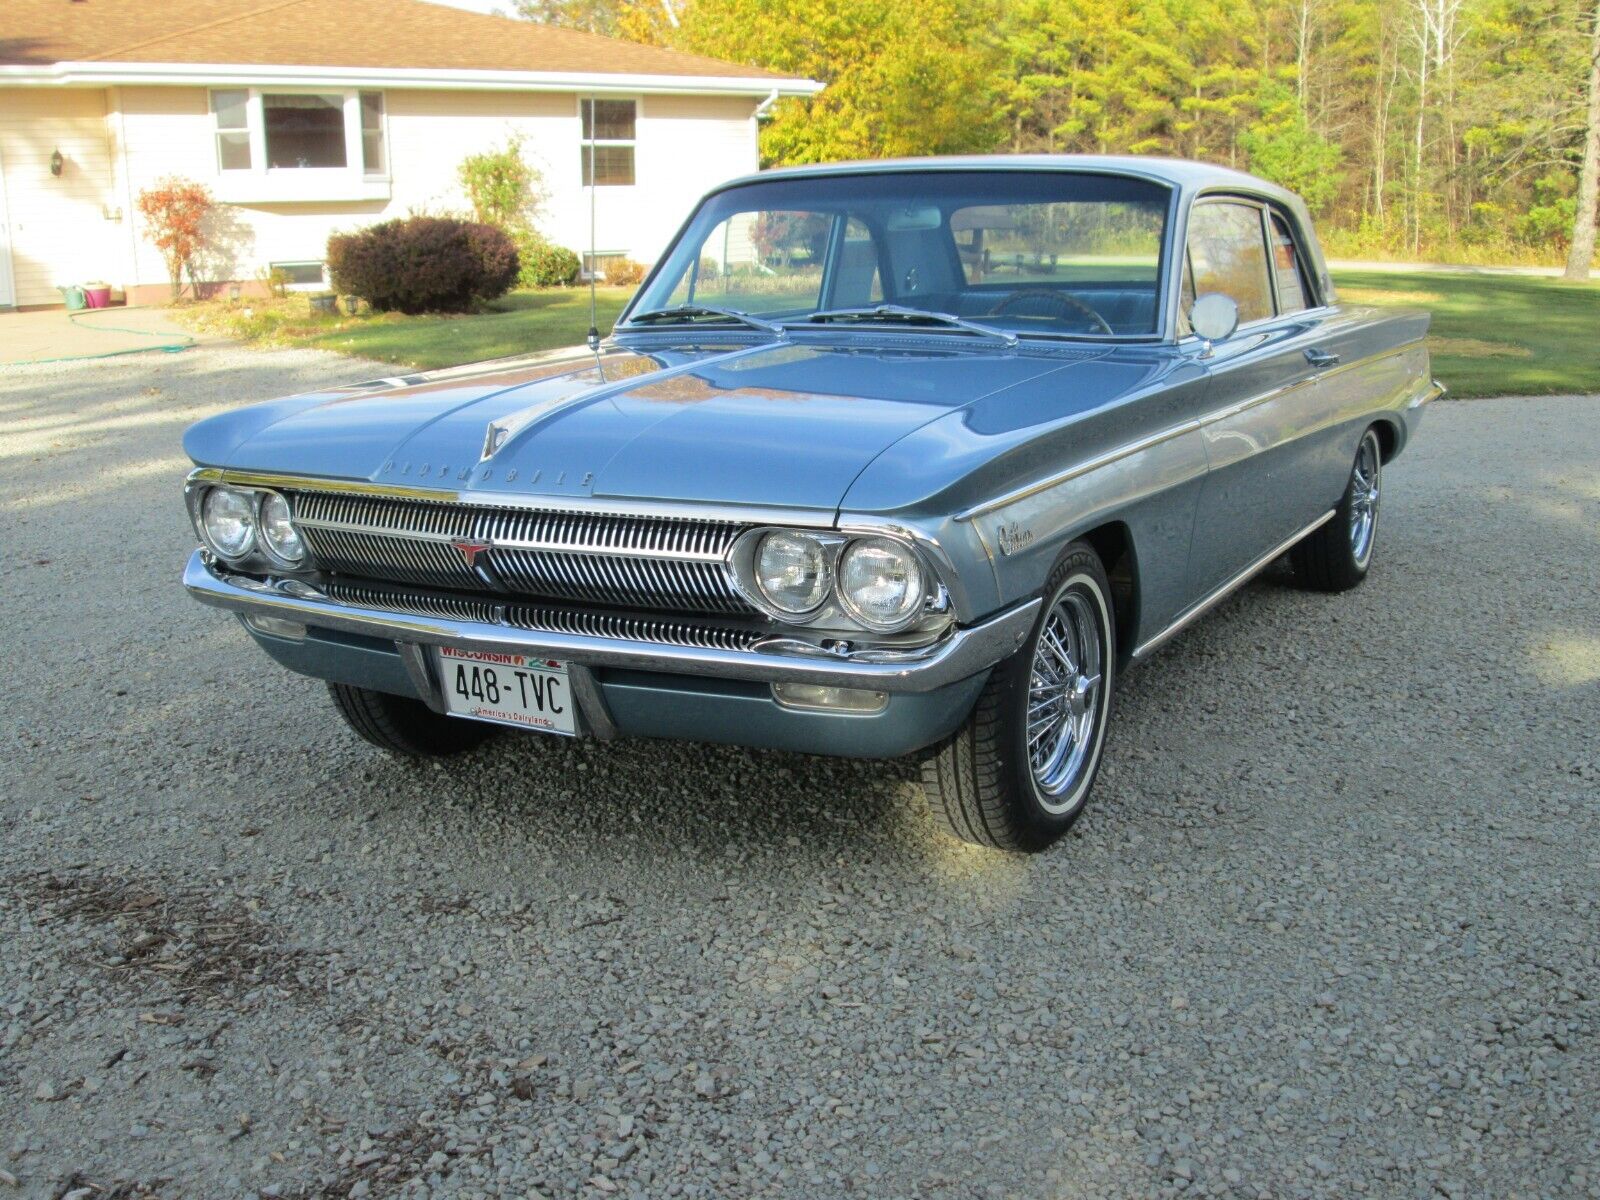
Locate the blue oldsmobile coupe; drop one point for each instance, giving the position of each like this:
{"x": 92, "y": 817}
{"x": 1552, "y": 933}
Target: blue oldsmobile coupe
{"x": 882, "y": 458}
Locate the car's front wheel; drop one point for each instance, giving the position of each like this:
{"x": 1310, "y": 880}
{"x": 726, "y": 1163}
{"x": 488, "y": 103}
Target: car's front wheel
{"x": 401, "y": 725}
{"x": 1017, "y": 774}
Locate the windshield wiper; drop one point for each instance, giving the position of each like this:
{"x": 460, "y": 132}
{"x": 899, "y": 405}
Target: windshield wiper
{"x": 909, "y": 316}
{"x": 693, "y": 312}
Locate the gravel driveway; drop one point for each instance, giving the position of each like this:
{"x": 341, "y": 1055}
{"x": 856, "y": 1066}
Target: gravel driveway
{"x": 1330, "y": 929}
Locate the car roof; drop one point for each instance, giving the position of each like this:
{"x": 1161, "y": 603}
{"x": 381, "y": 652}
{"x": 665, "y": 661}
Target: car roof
{"x": 1182, "y": 173}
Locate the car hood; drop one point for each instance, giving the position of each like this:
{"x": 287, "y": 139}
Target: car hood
{"x": 778, "y": 425}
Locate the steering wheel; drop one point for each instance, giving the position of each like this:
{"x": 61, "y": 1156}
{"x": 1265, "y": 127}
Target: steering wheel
{"x": 1068, "y": 303}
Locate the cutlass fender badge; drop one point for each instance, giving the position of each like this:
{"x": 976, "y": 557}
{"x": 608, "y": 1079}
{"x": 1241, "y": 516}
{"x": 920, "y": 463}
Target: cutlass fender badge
{"x": 1013, "y": 538}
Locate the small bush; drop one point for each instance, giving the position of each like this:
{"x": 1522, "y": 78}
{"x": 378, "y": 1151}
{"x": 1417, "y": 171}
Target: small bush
{"x": 623, "y": 271}
{"x": 175, "y": 212}
{"x": 544, "y": 264}
{"x": 424, "y": 264}
{"x": 503, "y": 188}
{"x": 275, "y": 280}
{"x": 497, "y": 257}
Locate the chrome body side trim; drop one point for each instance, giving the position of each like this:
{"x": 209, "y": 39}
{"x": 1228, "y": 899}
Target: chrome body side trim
{"x": 1130, "y": 448}
{"x": 1115, "y": 454}
{"x": 1228, "y": 586}
{"x": 960, "y": 654}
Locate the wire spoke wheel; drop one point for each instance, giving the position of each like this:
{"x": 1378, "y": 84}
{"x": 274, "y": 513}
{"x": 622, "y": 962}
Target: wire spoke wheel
{"x": 1365, "y": 485}
{"x": 1064, "y": 705}
{"x": 1018, "y": 771}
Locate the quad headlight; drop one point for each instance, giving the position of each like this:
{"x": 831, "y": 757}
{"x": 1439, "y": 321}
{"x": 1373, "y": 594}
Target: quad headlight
{"x": 228, "y": 521}
{"x": 827, "y": 579}
{"x": 278, "y": 534}
{"x": 240, "y": 523}
{"x": 793, "y": 570}
{"x": 880, "y": 582}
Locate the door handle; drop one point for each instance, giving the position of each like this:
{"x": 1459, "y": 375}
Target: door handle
{"x": 1321, "y": 358}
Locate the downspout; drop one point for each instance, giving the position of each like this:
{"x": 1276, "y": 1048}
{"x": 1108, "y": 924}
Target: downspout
{"x": 764, "y": 109}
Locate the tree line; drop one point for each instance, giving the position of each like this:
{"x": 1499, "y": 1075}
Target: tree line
{"x": 1463, "y": 130}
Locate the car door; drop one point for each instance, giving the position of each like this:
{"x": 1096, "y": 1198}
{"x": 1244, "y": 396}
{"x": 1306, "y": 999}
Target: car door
{"x": 1264, "y": 405}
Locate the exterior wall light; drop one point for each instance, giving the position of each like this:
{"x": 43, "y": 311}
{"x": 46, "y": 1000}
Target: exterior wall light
{"x": 56, "y": 162}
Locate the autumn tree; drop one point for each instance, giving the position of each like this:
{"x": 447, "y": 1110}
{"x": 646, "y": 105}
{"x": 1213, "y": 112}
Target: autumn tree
{"x": 1418, "y": 127}
{"x": 903, "y": 77}
{"x": 175, "y": 211}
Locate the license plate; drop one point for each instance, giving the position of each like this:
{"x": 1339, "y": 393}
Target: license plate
{"x": 509, "y": 689}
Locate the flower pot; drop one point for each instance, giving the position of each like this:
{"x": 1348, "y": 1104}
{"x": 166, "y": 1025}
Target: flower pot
{"x": 97, "y": 295}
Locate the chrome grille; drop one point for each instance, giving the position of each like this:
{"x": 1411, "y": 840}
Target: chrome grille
{"x": 633, "y": 562}
{"x": 546, "y": 619}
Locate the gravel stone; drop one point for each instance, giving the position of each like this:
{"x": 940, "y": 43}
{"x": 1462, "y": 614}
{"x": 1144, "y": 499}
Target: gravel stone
{"x": 1328, "y": 930}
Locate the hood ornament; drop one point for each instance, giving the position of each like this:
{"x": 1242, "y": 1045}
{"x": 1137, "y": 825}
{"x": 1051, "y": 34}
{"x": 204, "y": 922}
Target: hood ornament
{"x": 493, "y": 438}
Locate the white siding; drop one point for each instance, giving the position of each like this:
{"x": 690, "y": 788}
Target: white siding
{"x": 687, "y": 145}
{"x": 59, "y": 226}
{"x": 61, "y": 234}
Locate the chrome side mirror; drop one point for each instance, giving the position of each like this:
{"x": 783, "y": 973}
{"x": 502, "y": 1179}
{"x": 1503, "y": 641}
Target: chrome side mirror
{"x": 1214, "y": 317}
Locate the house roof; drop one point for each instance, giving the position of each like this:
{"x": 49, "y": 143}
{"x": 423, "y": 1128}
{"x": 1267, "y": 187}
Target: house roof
{"x": 85, "y": 40}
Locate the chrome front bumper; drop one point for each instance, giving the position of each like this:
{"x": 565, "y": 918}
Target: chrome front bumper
{"x": 958, "y": 655}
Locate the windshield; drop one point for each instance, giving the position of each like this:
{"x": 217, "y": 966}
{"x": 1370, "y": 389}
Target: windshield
{"x": 1029, "y": 252}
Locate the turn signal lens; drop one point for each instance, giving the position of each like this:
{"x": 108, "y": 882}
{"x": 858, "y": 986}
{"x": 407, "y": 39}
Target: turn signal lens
{"x": 815, "y": 697}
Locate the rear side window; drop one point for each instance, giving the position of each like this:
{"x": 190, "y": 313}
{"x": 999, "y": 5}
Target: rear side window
{"x": 1293, "y": 294}
{"x": 1228, "y": 254}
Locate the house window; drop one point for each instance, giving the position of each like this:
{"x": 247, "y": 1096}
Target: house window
{"x": 301, "y": 275}
{"x": 304, "y": 130}
{"x": 372, "y": 157}
{"x": 608, "y": 142}
{"x": 232, "y": 112}
{"x": 334, "y": 131}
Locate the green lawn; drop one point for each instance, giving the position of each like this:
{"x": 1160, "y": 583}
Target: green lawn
{"x": 1496, "y": 335}
{"x": 521, "y": 323}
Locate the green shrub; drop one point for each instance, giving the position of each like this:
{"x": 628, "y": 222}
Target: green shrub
{"x": 544, "y": 264}
{"x": 424, "y": 264}
{"x": 503, "y": 188}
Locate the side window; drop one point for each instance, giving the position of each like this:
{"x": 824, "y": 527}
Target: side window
{"x": 1293, "y": 294}
{"x": 856, "y": 279}
{"x": 1228, "y": 254}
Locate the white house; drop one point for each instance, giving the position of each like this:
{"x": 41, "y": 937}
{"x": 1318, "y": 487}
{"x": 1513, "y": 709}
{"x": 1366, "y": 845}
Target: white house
{"x": 311, "y": 116}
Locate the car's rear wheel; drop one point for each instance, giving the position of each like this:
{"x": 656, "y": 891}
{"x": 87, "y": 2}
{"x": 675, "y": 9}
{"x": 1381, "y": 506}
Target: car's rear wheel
{"x": 1017, "y": 774}
{"x": 401, "y": 725}
{"x": 1337, "y": 555}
